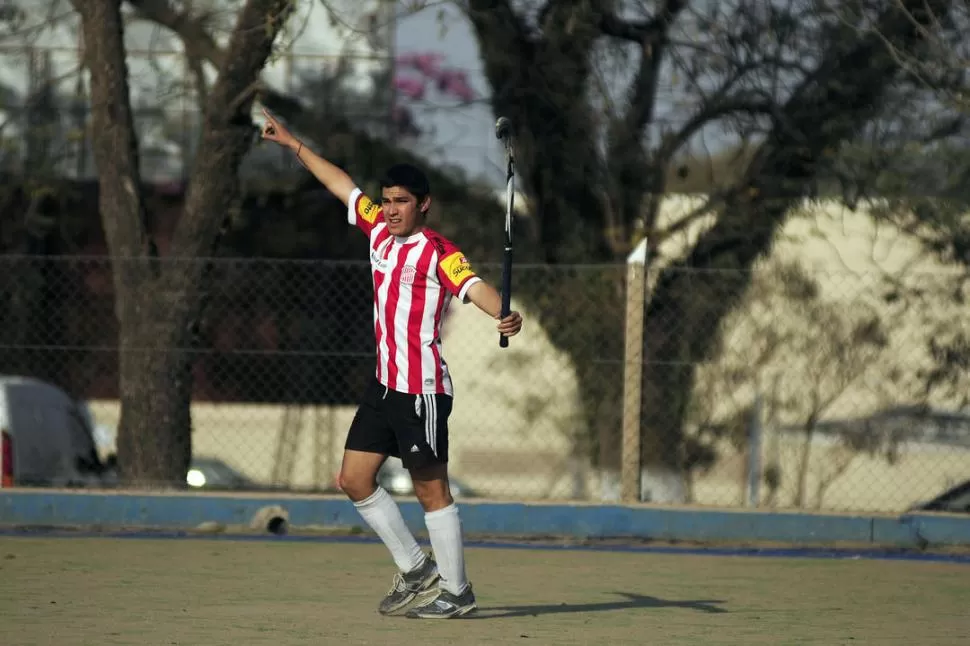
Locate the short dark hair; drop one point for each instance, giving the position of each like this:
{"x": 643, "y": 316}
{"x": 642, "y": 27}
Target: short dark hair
{"x": 409, "y": 177}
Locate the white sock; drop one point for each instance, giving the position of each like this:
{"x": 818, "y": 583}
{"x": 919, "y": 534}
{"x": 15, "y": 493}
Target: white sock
{"x": 444, "y": 529}
{"x": 383, "y": 516}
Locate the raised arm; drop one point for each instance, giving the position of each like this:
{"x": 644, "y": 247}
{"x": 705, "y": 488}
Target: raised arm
{"x": 334, "y": 178}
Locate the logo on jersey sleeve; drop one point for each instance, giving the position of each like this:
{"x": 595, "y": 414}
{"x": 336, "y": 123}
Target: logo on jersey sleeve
{"x": 367, "y": 210}
{"x": 457, "y": 268}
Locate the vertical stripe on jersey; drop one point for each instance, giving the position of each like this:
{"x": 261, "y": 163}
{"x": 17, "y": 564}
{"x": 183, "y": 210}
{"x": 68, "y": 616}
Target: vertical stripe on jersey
{"x": 396, "y": 310}
{"x": 378, "y": 236}
{"x": 408, "y": 317}
{"x": 378, "y": 332}
{"x": 399, "y": 316}
{"x": 443, "y": 382}
{"x": 430, "y": 359}
{"x": 382, "y": 297}
{"x": 417, "y": 325}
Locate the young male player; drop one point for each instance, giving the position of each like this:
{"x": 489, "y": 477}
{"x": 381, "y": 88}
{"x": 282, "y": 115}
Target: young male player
{"x": 404, "y": 412}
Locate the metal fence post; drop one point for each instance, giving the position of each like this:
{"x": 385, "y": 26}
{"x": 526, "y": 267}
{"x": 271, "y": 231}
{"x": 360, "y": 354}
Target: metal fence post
{"x": 754, "y": 454}
{"x": 633, "y": 374}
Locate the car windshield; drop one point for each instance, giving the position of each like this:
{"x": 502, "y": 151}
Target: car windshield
{"x": 218, "y": 469}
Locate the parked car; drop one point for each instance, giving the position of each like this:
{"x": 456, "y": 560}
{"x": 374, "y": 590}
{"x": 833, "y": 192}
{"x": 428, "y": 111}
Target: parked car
{"x": 45, "y": 437}
{"x": 397, "y": 481}
{"x": 213, "y": 473}
{"x": 955, "y": 500}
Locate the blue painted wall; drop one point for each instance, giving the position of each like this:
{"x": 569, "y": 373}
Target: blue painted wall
{"x": 185, "y": 511}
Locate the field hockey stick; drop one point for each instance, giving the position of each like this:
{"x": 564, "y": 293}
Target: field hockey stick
{"x": 503, "y": 131}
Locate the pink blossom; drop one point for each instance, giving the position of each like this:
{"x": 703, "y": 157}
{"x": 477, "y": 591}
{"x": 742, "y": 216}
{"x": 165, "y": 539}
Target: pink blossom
{"x": 410, "y": 87}
{"x": 448, "y": 81}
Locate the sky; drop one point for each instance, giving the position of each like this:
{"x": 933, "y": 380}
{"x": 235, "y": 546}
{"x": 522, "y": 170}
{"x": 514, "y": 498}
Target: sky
{"x": 454, "y": 134}
{"x": 458, "y": 134}
{"x": 464, "y": 136}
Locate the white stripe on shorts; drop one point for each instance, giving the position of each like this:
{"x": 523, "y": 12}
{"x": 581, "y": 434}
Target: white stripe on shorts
{"x": 431, "y": 422}
{"x": 434, "y": 424}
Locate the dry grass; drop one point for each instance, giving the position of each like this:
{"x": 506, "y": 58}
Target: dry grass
{"x": 68, "y": 591}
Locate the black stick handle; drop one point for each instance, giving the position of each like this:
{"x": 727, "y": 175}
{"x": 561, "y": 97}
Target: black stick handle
{"x": 503, "y": 130}
{"x": 506, "y": 291}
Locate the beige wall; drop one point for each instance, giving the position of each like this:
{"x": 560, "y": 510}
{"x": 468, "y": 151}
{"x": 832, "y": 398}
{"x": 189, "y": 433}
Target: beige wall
{"x": 517, "y": 409}
{"x": 850, "y": 256}
{"x": 510, "y": 429}
{"x": 855, "y": 481}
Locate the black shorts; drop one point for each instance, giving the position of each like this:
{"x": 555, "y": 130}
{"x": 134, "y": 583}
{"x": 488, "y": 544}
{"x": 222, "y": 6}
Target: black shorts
{"x": 413, "y": 428}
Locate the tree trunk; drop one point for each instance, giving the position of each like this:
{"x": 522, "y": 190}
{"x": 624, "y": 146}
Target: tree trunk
{"x": 535, "y": 82}
{"x": 141, "y": 440}
{"x": 154, "y": 369}
{"x": 595, "y": 345}
{"x": 683, "y": 317}
{"x": 159, "y": 304}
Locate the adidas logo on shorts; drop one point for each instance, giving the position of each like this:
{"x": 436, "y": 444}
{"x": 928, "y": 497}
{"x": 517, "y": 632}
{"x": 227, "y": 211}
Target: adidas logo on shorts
{"x": 415, "y": 449}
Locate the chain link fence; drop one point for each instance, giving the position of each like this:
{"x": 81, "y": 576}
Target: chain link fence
{"x": 781, "y": 387}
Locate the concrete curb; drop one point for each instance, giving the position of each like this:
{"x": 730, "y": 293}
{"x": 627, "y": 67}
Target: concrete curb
{"x": 23, "y": 507}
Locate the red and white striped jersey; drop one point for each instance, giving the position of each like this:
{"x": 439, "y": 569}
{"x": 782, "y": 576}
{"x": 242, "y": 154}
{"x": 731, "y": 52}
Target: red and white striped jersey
{"x": 414, "y": 280}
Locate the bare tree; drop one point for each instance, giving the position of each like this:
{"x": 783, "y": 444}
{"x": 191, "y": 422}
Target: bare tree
{"x": 786, "y": 83}
{"x": 795, "y": 79}
{"x": 159, "y": 300}
{"x": 842, "y": 349}
{"x": 918, "y": 165}
{"x": 946, "y": 56}
{"x": 803, "y": 354}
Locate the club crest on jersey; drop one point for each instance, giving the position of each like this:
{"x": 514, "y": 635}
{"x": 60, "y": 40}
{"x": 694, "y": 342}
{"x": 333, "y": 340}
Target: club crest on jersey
{"x": 407, "y": 275}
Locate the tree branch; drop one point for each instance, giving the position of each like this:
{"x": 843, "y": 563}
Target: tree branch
{"x": 191, "y": 29}
{"x": 197, "y": 68}
{"x": 342, "y": 139}
{"x": 714, "y": 201}
{"x": 628, "y": 161}
{"x": 198, "y": 42}
{"x": 537, "y": 80}
{"x": 496, "y": 23}
{"x": 633, "y": 31}
{"x": 716, "y": 109}
{"x": 641, "y": 31}
{"x": 199, "y": 46}
{"x": 644, "y": 90}
{"x": 115, "y": 147}
{"x": 227, "y": 127}
{"x": 498, "y": 13}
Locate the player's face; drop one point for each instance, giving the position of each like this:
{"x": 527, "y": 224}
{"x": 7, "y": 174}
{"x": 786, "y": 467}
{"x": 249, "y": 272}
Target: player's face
{"x": 403, "y": 213}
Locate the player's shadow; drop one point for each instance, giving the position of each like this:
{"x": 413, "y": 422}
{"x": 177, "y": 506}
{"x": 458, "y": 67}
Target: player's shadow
{"x": 632, "y": 601}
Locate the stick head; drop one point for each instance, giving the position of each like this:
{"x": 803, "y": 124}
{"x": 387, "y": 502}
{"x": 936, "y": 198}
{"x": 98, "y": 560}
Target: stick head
{"x": 503, "y": 128}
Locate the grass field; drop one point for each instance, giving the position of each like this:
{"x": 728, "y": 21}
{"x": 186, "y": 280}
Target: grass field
{"x": 68, "y": 591}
